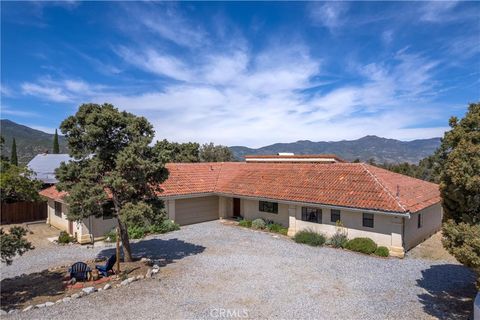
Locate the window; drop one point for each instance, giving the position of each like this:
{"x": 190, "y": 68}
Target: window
{"x": 266, "y": 206}
{"x": 334, "y": 215}
{"x": 107, "y": 209}
{"x": 368, "y": 220}
{"x": 312, "y": 214}
{"x": 58, "y": 209}
{"x": 420, "y": 221}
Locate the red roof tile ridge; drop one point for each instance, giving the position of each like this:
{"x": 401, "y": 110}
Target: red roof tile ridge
{"x": 218, "y": 176}
{"x": 377, "y": 181}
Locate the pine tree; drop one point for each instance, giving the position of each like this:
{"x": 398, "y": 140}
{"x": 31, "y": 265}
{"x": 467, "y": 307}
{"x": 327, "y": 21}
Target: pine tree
{"x": 56, "y": 147}
{"x": 13, "y": 158}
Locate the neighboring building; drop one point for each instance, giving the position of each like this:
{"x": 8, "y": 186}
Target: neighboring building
{"x": 44, "y": 166}
{"x": 394, "y": 210}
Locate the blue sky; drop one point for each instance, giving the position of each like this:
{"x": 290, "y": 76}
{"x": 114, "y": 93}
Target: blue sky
{"x": 245, "y": 73}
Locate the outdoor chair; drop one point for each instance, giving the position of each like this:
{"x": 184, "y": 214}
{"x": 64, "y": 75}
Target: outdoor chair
{"x": 108, "y": 266}
{"x": 79, "y": 271}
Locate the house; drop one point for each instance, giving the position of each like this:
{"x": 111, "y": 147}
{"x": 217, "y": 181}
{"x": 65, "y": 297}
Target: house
{"x": 298, "y": 192}
{"x": 44, "y": 165}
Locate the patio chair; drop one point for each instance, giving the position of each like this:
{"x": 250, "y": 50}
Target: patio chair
{"x": 108, "y": 266}
{"x": 79, "y": 271}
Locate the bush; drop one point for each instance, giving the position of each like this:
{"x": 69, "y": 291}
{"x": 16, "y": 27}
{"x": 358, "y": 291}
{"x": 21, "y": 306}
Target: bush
{"x": 364, "y": 245}
{"x": 111, "y": 236}
{"x": 258, "y": 224}
{"x": 164, "y": 227}
{"x": 310, "y": 237}
{"x": 274, "y": 227}
{"x": 245, "y": 223}
{"x": 64, "y": 238}
{"x": 338, "y": 240}
{"x": 136, "y": 232}
{"x": 382, "y": 251}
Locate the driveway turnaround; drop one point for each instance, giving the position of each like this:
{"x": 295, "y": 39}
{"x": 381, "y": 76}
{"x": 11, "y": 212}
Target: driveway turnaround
{"x": 216, "y": 271}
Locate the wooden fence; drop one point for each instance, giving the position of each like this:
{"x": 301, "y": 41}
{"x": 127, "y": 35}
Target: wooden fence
{"x": 19, "y": 212}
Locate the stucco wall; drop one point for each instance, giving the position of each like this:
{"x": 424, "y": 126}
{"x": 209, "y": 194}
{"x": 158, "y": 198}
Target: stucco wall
{"x": 55, "y": 221}
{"x": 249, "y": 210}
{"x": 432, "y": 222}
{"x": 386, "y": 231}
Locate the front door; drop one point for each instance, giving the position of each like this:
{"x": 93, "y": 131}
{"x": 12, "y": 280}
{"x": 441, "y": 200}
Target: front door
{"x": 236, "y": 207}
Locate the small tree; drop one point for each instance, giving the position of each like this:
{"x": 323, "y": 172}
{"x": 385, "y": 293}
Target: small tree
{"x": 13, "y": 243}
{"x": 13, "y": 158}
{"x": 215, "y": 153}
{"x": 113, "y": 160}
{"x": 56, "y": 146}
{"x": 459, "y": 158}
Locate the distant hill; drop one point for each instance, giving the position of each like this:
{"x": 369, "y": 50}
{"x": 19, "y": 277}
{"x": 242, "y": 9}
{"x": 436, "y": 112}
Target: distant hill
{"x": 369, "y": 147}
{"x": 30, "y": 142}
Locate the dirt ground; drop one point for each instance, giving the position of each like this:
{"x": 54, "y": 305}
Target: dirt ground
{"x": 38, "y": 232}
{"x": 52, "y": 284}
{"x": 431, "y": 249}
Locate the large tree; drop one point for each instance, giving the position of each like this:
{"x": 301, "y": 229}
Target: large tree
{"x": 113, "y": 160}
{"x": 460, "y": 188}
{"x": 215, "y": 153}
{"x": 56, "y": 146}
{"x": 178, "y": 152}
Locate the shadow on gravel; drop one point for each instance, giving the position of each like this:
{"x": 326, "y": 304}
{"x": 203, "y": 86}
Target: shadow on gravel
{"x": 165, "y": 251}
{"x": 451, "y": 290}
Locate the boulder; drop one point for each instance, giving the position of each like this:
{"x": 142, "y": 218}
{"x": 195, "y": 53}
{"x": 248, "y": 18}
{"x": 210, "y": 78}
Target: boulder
{"x": 75, "y": 296}
{"x": 140, "y": 277}
{"x": 124, "y": 282}
{"x": 42, "y": 305}
{"x": 148, "y": 275}
{"x": 88, "y": 290}
{"x": 12, "y": 311}
{"x": 66, "y": 299}
{"x": 107, "y": 286}
{"x": 59, "y": 301}
{"x": 49, "y": 304}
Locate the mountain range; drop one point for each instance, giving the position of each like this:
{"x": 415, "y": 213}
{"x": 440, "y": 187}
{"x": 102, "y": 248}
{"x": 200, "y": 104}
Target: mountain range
{"x": 379, "y": 149}
{"x": 31, "y": 142}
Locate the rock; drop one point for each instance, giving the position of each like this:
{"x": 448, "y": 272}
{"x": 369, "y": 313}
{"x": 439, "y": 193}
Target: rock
{"x": 132, "y": 279}
{"x": 107, "y": 286}
{"x": 99, "y": 289}
{"x": 124, "y": 282}
{"x": 49, "y": 304}
{"x": 88, "y": 290}
{"x": 155, "y": 266}
{"x": 42, "y": 305}
{"x": 3, "y": 312}
{"x": 59, "y": 301}
{"x": 140, "y": 277}
{"x": 155, "y": 271}
{"x": 12, "y": 311}
{"x": 72, "y": 281}
{"x": 27, "y": 308}
{"x": 75, "y": 296}
{"x": 149, "y": 273}
{"x": 66, "y": 299}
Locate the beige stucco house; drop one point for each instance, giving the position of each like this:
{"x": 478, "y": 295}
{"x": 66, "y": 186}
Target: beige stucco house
{"x": 298, "y": 192}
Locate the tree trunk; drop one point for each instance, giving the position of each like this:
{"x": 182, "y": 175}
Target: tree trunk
{"x": 127, "y": 251}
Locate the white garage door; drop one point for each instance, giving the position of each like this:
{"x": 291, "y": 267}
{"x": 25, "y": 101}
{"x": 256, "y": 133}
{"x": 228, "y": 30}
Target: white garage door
{"x": 195, "y": 210}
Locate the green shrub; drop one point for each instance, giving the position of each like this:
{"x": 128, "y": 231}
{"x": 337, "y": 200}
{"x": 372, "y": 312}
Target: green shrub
{"x": 136, "y": 232}
{"x": 64, "y": 238}
{"x": 338, "y": 240}
{"x": 274, "y": 227}
{"x": 164, "y": 227}
{"x": 283, "y": 231}
{"x": 111, "y": 236}
{"x": 382, "y": 251}
{"x": 258, "y": 224}
{"x": 245, "y": 223}
{"x": 310, "y": 237}
{"x": 364, "y": 245}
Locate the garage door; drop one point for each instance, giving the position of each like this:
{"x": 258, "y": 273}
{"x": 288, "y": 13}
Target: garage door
{"x": 195, "y": 210}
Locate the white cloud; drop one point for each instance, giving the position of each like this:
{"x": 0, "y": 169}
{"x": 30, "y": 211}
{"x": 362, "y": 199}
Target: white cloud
{"x": 330, "y": 14}
{"x": 437, "y": 11}
{"x": 45, "y": 92}
{"x": 4, "y": 110}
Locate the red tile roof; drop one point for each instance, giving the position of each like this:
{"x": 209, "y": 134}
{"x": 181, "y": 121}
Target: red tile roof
{"x": 356, "y": 185}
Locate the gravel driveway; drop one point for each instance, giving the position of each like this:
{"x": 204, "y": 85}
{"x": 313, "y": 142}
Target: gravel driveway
{"x": 218, "y": 272}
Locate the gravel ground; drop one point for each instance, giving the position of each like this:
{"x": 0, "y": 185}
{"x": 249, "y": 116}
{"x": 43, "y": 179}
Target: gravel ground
{"x": 219, "y": 271}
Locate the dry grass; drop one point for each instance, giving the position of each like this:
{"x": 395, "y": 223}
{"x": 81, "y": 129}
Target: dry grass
{"x": 432, "y": 249}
